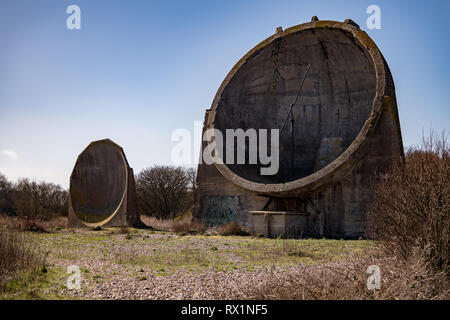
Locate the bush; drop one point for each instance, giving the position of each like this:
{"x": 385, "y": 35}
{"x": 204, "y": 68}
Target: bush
{"x": 232, "y": 228}
{"x": 33, "y": 225}
{"x": 31, "y": 200}
{"x": 41, "y": 201}
{"x": 181, "y": 225}
{"x": 411, "y": 207}
{"x": 164, "y": 192}
{"x": 187, "y": 226}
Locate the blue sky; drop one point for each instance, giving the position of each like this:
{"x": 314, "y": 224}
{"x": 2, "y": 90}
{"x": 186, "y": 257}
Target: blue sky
{"x": 137, "y": 70}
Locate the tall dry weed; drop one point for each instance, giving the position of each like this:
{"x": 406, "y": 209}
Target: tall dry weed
{"x": 17, "y": 254}
{"x": 412, "y": 201}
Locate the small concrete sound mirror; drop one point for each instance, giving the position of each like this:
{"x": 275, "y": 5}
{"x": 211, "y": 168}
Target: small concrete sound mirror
{"x": 102, "y": 188}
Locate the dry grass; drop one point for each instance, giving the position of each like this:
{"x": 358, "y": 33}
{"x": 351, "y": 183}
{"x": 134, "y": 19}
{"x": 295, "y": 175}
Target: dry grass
{"x": 124, "y": 230}
{"x": 157, "y": 224}
{"x": 182, "y": 225}
{"x": 17, "y": 254}
{"x": 232, "y": 229}
{"x": 186, "y": 225}
{"x": 33, "y": 225}
{"x": 400, "y": 279}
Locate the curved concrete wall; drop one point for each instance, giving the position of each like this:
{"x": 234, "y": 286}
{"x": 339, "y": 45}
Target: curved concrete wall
{"x": 102, "y": 190}
{"x": 98, "y": 182}
{"x": 335, "y": 101}
{"x": 348, "y": 128}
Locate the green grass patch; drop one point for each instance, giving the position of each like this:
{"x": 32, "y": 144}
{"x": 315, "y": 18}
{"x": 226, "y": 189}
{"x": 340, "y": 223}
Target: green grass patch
{"x": 37, "y": 286}
{"x": 228, "y": 253}
{"x": 163, "y": 262}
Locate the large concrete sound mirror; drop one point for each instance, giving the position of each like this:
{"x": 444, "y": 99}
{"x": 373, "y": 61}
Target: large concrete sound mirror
{"x": 102, "y": 188}
{"x": 346, "y": 129}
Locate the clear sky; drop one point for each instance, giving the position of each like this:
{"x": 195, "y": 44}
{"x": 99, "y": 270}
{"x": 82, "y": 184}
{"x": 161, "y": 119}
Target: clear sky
{"x": 137, "y": 70}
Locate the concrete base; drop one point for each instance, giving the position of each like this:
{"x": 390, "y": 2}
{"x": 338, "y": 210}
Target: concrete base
{"x": 278, "y": 223}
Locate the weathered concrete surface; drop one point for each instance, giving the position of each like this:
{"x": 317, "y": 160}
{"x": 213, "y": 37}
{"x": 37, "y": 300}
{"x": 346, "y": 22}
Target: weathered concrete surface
{"x": 276, "y": 223}
{"x": 102, "y": 188}
{"x": 336, "y": 98}
{"x": 347, "y": 128}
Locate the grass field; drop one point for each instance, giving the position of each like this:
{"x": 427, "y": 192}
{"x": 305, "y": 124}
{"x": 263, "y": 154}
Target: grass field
{"x": 146, "y": 264}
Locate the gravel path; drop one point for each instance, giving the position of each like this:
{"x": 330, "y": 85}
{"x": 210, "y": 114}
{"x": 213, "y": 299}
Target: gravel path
{"x": 207, "y": 285}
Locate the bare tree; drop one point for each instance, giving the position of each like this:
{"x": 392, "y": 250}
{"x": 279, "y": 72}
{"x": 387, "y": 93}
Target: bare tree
{"x": 39, "y": 200}
{"x": 192, "y": 176}
{"x": 163, "y": 191}
{"x": 6, "y": 205}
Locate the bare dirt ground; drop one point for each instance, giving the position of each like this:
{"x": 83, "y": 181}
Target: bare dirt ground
{"x": 144, "y": 264}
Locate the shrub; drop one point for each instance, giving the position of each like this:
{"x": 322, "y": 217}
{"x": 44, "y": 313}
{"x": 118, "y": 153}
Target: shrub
{"x": 232, "y": 228}
{"x": 185, "y": 225}
{"x": 182, "y": 225}
{"x": 124, "y": 230}
{"x": 33, "y": 225}
{"x": 42, "y": 201}
{"x": 411, "y": 207}
{"x": 164, "y": 192}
